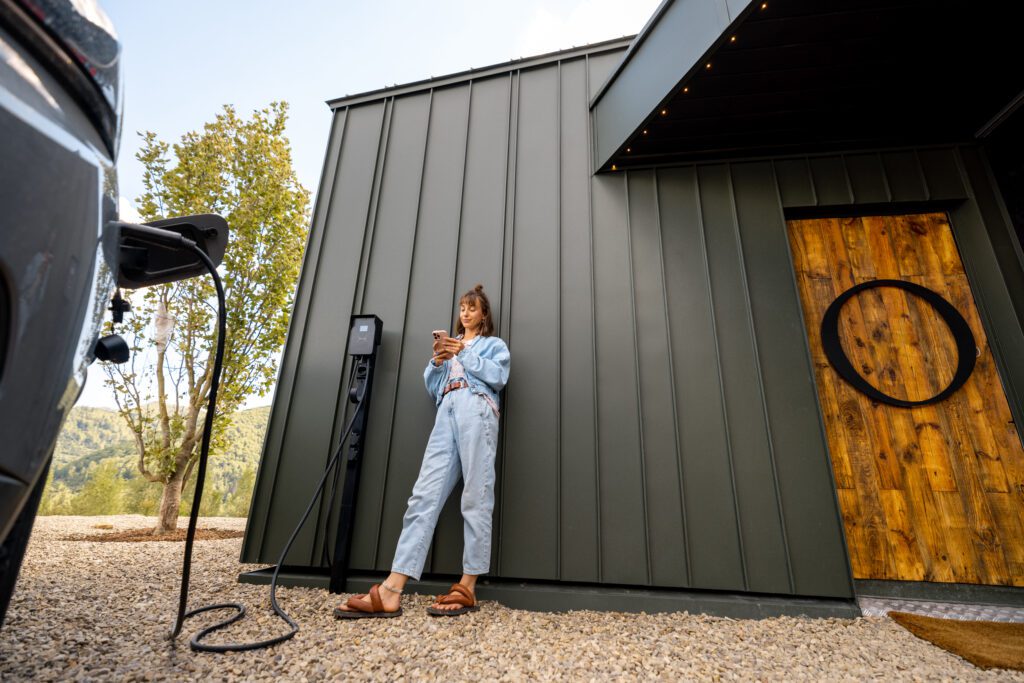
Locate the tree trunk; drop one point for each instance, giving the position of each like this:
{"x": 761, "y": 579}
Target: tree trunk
{"x": 167, "y": 521}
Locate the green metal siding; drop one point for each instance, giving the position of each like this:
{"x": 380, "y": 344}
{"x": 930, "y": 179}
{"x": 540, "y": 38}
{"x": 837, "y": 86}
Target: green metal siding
{"x": 661, "y": 426}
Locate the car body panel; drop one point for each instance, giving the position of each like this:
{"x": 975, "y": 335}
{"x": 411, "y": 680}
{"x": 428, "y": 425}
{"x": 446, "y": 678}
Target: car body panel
{"x": 58, "y": 190}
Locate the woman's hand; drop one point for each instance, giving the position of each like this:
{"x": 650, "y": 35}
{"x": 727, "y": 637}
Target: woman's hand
{"x": 440, "y": 353}
{"x": 453, "y": 346}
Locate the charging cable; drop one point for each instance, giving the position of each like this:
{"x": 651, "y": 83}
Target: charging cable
{"x": 174, "y": 240}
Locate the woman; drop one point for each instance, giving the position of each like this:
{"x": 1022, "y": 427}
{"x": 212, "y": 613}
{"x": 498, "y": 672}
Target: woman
{"x": 463, "y": 377}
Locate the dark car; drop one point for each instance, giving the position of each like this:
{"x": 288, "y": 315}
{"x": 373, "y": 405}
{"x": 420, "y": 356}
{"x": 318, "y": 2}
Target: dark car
{"x": 62, "y": 250}
{"x": 59, "y": 126}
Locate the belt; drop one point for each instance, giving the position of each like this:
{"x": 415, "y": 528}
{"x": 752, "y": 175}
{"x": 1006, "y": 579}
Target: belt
{"x": 455, "y": 384}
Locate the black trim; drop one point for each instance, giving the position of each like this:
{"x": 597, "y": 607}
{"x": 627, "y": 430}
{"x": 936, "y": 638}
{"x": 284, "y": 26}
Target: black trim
{"x": 795, "y": 213}
{"x": 969, "y": 593}
{"x": 965, "y": 343}
{"x": 55, "y": 59}
{"x": 554, "y": 596}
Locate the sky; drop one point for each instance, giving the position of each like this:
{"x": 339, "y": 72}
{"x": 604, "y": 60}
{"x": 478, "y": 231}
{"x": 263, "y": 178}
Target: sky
{"x": 184, "y": 59}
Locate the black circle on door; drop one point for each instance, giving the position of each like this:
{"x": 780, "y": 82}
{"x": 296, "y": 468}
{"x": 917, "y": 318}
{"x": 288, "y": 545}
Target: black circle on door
{"x": 965, "y": 344}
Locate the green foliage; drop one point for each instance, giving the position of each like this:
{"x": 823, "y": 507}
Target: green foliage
{"x": 102, "y": 493}
{"x": 78, "y": 481}
{"x": 87, "y": 430}
{"x": 241, "y": 170}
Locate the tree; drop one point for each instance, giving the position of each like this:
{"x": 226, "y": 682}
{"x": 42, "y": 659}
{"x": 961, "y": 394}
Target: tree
{"x": 241, "y": 170}
{"x": 101, "y": 494}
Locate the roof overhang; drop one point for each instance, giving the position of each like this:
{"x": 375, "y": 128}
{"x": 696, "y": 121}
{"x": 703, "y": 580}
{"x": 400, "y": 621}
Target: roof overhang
{"x": 662, "y": 55}
{"x": 720, "y": 78}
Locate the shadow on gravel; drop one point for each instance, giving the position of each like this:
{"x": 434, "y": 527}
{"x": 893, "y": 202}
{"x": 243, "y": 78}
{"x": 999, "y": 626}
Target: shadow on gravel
{"x": 145, "y": 535}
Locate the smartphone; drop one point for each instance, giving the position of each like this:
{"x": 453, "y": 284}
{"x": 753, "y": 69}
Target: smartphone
{"x": 440, "y": 334}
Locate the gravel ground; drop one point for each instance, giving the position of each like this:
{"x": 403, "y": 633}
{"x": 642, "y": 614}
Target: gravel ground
{"x": 102, "y": 611}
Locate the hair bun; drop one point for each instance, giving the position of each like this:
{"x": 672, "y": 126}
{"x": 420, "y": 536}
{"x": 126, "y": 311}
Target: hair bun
{"x": 478, "y": 288}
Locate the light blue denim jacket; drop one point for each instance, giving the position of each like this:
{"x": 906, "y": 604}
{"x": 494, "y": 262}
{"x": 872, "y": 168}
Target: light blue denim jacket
{"x": 487, "y": 365}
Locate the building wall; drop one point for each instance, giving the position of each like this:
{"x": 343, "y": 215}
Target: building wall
{"x": 661, "y": 426}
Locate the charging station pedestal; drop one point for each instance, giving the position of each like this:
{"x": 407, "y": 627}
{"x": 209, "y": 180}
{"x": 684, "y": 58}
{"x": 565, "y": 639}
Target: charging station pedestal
{"x": 363, "y": 341}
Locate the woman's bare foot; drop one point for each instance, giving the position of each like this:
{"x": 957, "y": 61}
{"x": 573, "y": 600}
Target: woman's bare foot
{"x": 389, "y": 599}
{"x": 467, "y": 580}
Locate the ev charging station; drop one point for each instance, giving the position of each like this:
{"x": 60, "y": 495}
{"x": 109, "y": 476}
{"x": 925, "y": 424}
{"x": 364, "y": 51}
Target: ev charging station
{"x": 363, "y": 341}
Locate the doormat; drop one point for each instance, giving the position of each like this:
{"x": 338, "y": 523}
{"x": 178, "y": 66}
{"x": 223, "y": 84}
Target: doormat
{"x": 986, "y": 644}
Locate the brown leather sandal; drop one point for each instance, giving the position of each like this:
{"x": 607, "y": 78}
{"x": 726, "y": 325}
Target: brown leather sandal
{"x": 458, "y": 595}
{"x": 358, "y": 607}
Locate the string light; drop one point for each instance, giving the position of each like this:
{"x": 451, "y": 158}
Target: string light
{"x": 764, "y": 5}
{"x": 645, "y": 132}
{"x": 708, "y": 65}
{"x": 628, "y": 150}
{"x": 732, "y": 39}
{"x": 614, "y": 167}
{"x": 686, "y": 89}
{"x": 664, "y": 112}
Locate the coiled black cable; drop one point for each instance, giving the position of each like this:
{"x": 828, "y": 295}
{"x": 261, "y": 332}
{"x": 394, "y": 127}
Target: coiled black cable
{"x": 195, "y": 643}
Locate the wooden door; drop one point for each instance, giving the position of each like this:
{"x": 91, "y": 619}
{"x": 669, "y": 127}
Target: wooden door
{"x": 930, "y": 493}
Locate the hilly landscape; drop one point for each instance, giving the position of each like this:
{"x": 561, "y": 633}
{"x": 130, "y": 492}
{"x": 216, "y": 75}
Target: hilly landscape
{"x": 94, "y": 469}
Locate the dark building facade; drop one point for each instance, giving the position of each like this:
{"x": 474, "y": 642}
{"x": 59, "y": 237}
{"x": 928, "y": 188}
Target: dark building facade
{"x": 663, "y": 437}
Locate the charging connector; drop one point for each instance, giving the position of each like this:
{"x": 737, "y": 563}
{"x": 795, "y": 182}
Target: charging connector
{"x": 175, "y": 240}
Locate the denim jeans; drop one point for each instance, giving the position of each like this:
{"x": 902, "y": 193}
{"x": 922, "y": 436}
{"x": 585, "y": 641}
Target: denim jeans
{"x": 462, "y": 443}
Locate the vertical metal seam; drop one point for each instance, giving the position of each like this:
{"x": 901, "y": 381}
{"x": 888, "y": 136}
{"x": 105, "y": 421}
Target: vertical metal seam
{"x": 760, "y": 374}
{"x": 366, "y": 248}
{"x": 558, "y": 345}
{"x": 321, "y": 511}
{"x": 458, "y": 234}
{"x": 924, "y": 178}
{"x": 511, "y": 154}
{"x": 639, "y": 389}
{"x": 814, "y": 388}
{"x": 345, "y": 366}
{"x": 810, "y": 177}
{"x": 401, "y": 333}
{"x": 885, "y": 176}
{"x": 305, "y": 324}
{"x": 849, "y": 182}
{"x": 721, "y": 379}
{"x": 593, "y": 324}
{"x": 371, "y": 218}
{"x": 373, "y": 206}
{"x": 672, "y": 382}
{"x": 462, "y": 198}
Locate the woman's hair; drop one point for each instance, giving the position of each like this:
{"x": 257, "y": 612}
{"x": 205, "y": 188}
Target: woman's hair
{"x": 476, "y": 296}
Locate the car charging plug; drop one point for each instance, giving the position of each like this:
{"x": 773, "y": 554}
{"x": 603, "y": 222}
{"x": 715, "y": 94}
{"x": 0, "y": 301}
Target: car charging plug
{"x": 195, "y": 642}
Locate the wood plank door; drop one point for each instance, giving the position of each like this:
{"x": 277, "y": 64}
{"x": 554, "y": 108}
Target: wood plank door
{"x": 929, "y": 493}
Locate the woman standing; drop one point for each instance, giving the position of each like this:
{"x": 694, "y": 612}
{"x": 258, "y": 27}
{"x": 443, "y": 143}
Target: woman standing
{"x": 464, "y": 378}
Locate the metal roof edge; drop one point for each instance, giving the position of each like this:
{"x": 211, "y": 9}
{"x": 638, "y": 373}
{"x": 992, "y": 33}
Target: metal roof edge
{"x": 638, "y": 40}
{"x": 481, "y": 72}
